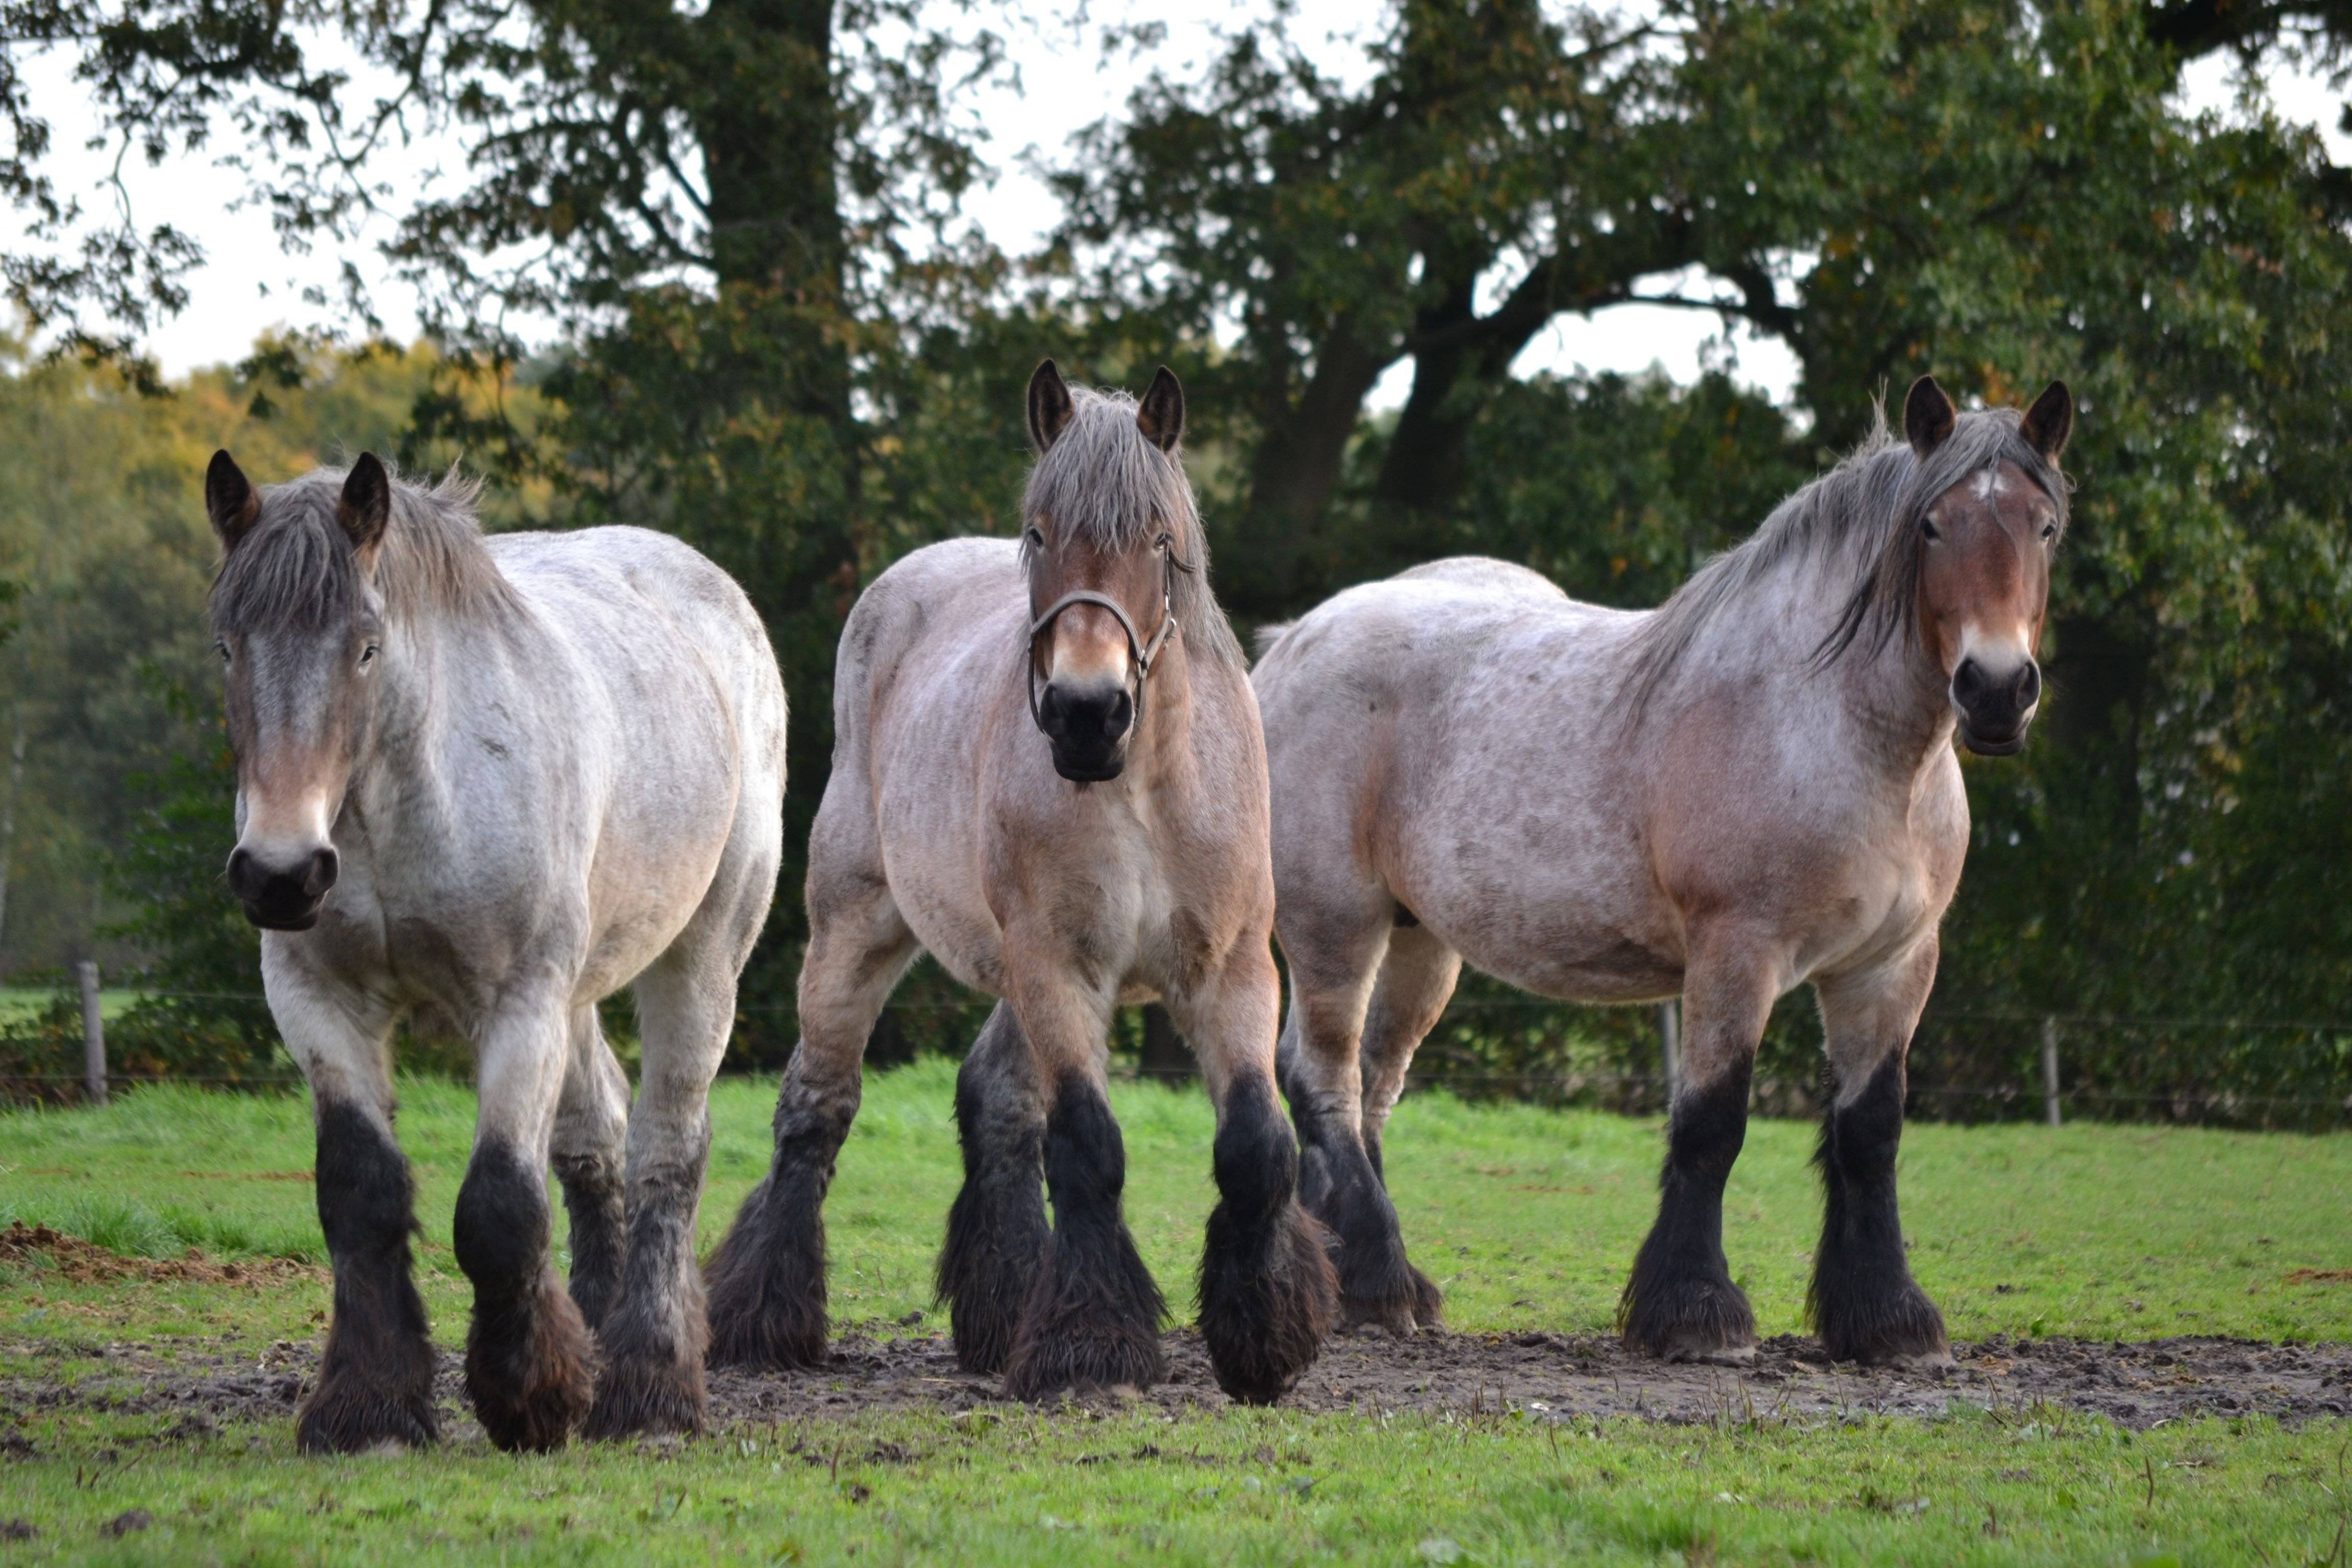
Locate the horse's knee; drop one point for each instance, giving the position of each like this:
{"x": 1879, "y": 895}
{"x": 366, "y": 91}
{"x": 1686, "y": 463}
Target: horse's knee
{"x": 1862, "y": 1299}
{"x": 1680, "y": 1302}
{"x": 1268, "y": 1290}
{"x": 528, "y": 1354}
{"x": 375, "y": 1378}
{"x": 1092, "y": 1318}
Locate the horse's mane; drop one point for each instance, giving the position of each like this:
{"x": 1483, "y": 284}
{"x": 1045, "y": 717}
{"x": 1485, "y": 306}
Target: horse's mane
{"x": 1104, "y": 478}
{"x": 1862, "y": 516}
{"x": 295, "y": 570}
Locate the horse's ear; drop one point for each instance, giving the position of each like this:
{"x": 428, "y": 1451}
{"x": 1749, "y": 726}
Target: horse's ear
{"x": 230, "y": 500}
{"x": 1927, "y": 415}
{"x": 365, "y": 505}
{"x": 1050, "y": 407}
{"x": 1161, "y": 415}
{"x": 2048, "y": 422}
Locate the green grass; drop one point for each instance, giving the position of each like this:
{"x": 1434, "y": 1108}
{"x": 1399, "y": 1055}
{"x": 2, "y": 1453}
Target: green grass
{"x": 1020, "y": 1487}
{"x": 28, "y": 1001}
{"x": 1529, "y": 1217}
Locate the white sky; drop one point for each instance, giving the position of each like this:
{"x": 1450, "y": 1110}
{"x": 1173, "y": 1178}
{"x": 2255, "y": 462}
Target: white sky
{"x": 250, "y": 286}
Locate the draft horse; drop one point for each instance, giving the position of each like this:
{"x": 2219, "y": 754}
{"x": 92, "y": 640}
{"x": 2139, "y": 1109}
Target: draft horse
{"x": 1048, "y": 772}
{"x": 1751, "y": 787}
{"x": 499, "y": 778}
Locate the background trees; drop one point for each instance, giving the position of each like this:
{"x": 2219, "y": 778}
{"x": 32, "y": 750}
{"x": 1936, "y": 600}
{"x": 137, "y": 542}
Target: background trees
{"x": 773, "y": 335}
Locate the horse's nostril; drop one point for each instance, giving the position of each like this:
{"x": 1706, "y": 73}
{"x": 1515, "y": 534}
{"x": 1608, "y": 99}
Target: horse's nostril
{"x": 1118, "y": 716}
{"x": 1968, "y": 682}
{"x": 2029, "y": 685}
{"x": 324, "y": 869}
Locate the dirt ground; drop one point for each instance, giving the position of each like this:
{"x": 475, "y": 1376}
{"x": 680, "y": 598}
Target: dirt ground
{"x": 1547, "y": 1376}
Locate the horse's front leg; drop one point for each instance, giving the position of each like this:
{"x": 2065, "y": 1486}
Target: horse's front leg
{"x": 1863, "y": 1301}
{"x": 766, "y": 1280}
{"x": 1269, "y": 1289}
{"x": 376, "y": 1380}
{"x": 997, "y": 1232}
{"x": 527, "y": 1355}
{"x": 1681, "y": 1302}
{"x": 1093, "y": 1313}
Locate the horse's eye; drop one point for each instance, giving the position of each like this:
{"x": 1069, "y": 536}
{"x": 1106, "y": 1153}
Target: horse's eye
{"x": 1033, "y": 540}
{"x": 2049, "y": 532}
{"x": 367, "y": 656}
{"x": 1162, "y": 544}
{"x": 220, "y": 648}
{"x": 1930, "y": 531}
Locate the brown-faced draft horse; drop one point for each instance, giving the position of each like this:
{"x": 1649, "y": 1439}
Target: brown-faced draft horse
{"x": 1048, "y": 772}
{"x": 1751, "y": 787}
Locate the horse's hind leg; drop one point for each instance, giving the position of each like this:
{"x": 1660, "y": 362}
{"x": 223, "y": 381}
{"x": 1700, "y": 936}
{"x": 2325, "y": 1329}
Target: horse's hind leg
{"x": 1681, "y": 1302}
{"x": 655, "y": 1332}
{"x": 767, "y": 1279}
{"x": 591, "y": 1154}
{"x": 1863, "y": 1301}
{"x": 1416, "y": 981}
{"x": 1092, "y": 1318}
{"x": 1269, "y": 1289}
{"x": 528, "y": 1353}
{"x": 997, "y": 1232}
{"x": 375, "y": 1378}
{"x": 1332, "y": 967}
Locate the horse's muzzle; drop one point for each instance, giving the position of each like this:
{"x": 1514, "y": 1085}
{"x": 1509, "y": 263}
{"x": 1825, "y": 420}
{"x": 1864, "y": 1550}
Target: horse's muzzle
{"x": 1087, "y": 728}
{"x": 282, "y": 897}
{"x": 1995, "y": 707}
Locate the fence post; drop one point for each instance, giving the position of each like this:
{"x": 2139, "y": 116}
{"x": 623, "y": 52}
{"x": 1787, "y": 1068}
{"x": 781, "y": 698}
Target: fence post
{"x": 93, "y": 1032}
{"x": 2050, "y": 1067}
{"x": 1670, "y": 1048}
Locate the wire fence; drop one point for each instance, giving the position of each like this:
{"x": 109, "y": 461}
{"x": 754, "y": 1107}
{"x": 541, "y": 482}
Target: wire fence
{"x": 1612, "y": 1088}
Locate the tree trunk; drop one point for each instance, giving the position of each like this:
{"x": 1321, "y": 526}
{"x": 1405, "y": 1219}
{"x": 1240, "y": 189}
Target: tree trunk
{"x": 8, "y": 810}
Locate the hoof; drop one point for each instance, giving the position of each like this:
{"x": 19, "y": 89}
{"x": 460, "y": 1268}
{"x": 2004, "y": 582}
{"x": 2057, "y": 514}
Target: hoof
{"x": 1704, "y": 1320}
{"x": 346, "y": 1416}
{"x": 637, "y": 1397}
{"x": 527, "y": 1371}
{"x": 1267, "y": 1302}
{"x": 1901, "y": 1329}
{"x": 1082, "y": 1361}
{"x": 763, "y": 1344}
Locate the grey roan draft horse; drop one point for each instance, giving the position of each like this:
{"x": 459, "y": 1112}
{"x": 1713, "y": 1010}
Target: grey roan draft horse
{"x": 501, "y": 779}
{"x": 1749, "y": 788}
{"x": 1048, "y": 770}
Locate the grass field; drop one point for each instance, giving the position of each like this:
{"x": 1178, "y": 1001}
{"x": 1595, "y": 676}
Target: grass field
{"x": 24, "y": 1001}
{"x": 1527, "y": 1217}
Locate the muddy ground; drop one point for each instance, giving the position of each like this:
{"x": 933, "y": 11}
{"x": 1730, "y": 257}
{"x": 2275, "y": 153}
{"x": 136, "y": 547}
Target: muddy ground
{"x": 1547, "y": 1376}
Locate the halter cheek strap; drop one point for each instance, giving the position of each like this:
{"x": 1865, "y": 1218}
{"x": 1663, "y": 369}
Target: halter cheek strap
{"x": 1139, "y": 653}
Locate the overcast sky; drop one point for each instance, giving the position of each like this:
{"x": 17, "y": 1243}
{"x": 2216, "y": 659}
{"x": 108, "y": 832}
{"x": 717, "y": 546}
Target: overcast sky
{"x": 1067, "y": 84}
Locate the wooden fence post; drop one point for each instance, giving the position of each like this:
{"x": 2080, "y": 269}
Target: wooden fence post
{"x": 93, "y": 1032}
{"x": 1670, "y": 1048}
{"x": 2050, "y": 1067}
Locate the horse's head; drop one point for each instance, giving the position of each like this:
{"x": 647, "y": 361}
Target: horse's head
{"x": 1984, "y": 550}
{"x": 296, "y": 618}
{"x": 1107, "y": 523}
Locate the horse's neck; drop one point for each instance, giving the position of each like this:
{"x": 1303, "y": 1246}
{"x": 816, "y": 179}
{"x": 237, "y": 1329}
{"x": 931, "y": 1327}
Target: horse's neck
{"x": 1889, "y": 699}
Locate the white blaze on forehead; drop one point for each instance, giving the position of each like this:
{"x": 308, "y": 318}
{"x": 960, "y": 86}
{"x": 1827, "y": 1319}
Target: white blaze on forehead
{"x": 1984, "y": 484}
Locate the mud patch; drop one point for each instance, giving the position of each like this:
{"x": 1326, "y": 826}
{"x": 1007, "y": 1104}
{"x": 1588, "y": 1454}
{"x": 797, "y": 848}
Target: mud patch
{"x": 1540, "y": 1376}
{"x": 87, "y": 1263}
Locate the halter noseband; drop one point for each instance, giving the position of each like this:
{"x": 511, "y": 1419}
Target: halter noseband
{"x": 1139, "y": 653}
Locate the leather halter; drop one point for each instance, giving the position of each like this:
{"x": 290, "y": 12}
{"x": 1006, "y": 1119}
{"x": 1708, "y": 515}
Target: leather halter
{"x": 1139, "y": 653}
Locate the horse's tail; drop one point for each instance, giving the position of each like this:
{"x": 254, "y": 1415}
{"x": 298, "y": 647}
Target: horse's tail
{"x": 1269, "y": 637}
